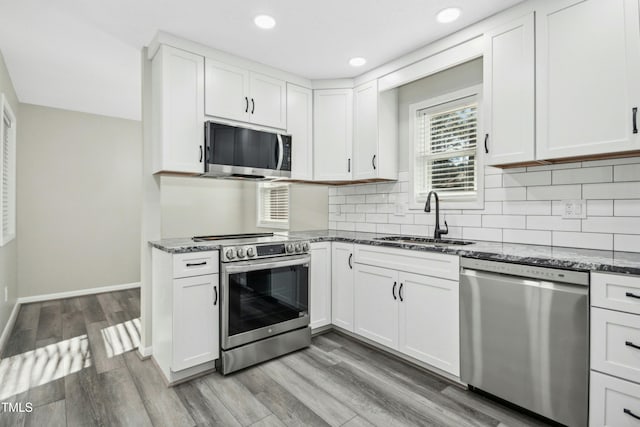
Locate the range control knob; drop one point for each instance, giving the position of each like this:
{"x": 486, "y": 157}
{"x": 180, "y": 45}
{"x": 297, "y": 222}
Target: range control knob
{"x": 240, "y": 252}
{"x": 251, "y": 252}
{"x": 298, "y": 247}
{"x": 305, "y": 247}
{"x": 289, "y": 247}
{"x": 230, "y": 254}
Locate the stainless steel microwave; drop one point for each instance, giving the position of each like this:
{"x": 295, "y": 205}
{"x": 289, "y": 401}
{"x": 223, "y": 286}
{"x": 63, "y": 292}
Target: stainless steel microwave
{"x": 237, "y": 152}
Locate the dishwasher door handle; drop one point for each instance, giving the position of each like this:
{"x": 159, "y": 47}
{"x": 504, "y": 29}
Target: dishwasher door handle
{"x": 508, "y": 280}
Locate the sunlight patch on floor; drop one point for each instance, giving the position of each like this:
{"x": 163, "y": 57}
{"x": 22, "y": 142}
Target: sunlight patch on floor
{"x": 122, "y": 337}
{"x": 45, "y": 364}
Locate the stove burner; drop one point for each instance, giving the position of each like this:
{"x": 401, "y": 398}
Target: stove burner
{"x": 230, "y": 236}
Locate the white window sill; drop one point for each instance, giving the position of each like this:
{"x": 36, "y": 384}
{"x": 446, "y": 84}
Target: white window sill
{"x": 266, "y": 224}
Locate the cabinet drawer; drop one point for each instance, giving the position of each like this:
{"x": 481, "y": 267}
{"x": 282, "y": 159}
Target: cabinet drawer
{"x": 417, "y": 262}
{"x": 613, "y": 402}
{"x": 195, "y": 264}
{"x": 614, "y": 338}
{"x": 616, "y": 292}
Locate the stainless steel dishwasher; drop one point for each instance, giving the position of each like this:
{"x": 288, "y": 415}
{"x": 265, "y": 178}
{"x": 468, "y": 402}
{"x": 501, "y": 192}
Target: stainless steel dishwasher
{"x": 525, "y": 336}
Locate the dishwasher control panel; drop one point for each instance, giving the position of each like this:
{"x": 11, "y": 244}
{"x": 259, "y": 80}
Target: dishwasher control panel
{"x": 530, "y": 271}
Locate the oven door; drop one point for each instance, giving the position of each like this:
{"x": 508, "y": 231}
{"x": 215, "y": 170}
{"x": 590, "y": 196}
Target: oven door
{"x": 263, "y": 298}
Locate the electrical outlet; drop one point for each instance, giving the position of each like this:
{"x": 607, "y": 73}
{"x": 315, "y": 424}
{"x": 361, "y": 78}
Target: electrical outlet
{"x": 574, "y": 209}
{"x": 401, "y": 208}
{"x": 338, "y": 210}
{"x": 6, "y": 293}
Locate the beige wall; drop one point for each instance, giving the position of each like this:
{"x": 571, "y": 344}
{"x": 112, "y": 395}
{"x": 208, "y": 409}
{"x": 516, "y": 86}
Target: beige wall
{"x": 201, "y": 206}
{"x": 450, "y": 80}
{"x": 79, "y": 200}
{"x": 8, "y": 253}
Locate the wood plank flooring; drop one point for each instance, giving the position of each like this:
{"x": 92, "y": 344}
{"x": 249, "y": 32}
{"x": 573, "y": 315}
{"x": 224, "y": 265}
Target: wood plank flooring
{"x": 63, "y": 357}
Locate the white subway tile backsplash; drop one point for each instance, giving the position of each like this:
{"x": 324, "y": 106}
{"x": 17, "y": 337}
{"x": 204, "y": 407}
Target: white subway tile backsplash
{"x": 554, "y": 192}
{"x": 626, "y": 242}
{"x": 388, "y": 228}
{"x": 552, "y": 223}
{"x": 526, "y": 179}
{"x": 542, "y": 207}
{"x": 377, "y": 218}
{"x": 503, "y": 221}
{"x": 616, "y": 190}
{"x": 627, "y": 208}
{"x": 599, "y": 207}
{"x": 522, "y": 205}
{"x": 531, "y": 237}
{"x": 627, "y": 172}
{"x": 500, "y": 194}
{"x": 618, "y": 225}
{"x": 366, "y": 227}
{"x": 583, "y": 240}
{"x": 489, "y": 234}
{"x": 583, "y": 176}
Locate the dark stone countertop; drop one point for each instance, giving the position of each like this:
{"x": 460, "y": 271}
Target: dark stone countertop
{"x": 544, "y": 256}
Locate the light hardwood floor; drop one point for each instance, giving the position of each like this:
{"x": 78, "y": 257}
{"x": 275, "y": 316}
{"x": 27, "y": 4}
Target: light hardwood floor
{"x": 71, "y": 358}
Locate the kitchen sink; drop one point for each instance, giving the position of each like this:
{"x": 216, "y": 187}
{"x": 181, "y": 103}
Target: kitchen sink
{"x": 426, "y": 241}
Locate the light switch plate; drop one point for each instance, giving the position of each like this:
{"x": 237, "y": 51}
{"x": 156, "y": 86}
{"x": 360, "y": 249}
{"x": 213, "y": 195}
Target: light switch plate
{"x": 574, "y": 209}
{"x": 401, "y": 209}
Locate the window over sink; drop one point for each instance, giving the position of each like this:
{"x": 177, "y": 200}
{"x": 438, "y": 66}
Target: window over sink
{"x": 444, "y": 149}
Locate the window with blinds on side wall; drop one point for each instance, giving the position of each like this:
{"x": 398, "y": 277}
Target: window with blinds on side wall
{"x": 7, "y": 173}
{"x": 445, "y": 150}
{"x": 273, "y": 205}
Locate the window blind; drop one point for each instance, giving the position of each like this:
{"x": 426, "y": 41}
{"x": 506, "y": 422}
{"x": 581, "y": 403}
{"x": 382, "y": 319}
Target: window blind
{"x": 274, "y": 203}
{"x": 446, "y": 150}
{"x": 6, "y": 220}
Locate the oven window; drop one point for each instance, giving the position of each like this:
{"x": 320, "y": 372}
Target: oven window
{"x": 266, "y": 297}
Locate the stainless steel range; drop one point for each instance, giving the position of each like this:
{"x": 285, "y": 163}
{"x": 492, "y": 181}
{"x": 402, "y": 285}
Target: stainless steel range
{"x": 264, "y": 282}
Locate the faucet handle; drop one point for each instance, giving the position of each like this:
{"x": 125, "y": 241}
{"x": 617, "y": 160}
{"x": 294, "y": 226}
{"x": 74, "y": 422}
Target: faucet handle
{"x": 446, "y": 230}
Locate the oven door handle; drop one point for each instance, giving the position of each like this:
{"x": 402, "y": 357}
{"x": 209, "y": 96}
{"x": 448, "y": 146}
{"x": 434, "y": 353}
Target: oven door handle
{"x": 245, "y": 266}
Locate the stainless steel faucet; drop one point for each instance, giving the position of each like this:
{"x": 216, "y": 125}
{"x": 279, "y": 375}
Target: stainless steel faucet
{"x": 437, "y": 232}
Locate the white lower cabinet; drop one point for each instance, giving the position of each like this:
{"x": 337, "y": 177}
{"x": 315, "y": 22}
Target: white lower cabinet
{"x": 429, "y": 323}
{"x": 342, "y": 285}
{"x": 414, "y": 314}
{"x": 185, "y": 313}
{"x": 376, "y": 304}
{"x": 614, "y": 402}
{"x": 195, "y": 314}
{"x": 320, "y": 285}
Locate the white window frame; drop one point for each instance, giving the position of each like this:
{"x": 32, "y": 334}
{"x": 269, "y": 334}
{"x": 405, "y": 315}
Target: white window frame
{"x": 260, "y": 222}
{"x": 447, "y": 202}
{"x": 5, "y": 110}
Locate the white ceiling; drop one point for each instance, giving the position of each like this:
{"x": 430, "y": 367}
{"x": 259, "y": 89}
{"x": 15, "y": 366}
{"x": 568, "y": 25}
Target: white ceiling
{"x": 84, "y": 55}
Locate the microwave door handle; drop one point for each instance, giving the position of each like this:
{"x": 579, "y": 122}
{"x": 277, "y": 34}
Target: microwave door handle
{"x": 280, "y": 152}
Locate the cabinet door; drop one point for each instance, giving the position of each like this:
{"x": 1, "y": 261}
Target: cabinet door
{"x": 365, "y": 131}
{"x": 376, "y": 304}
{"x": 587, "y": 66}
{"x": 195, "y": 321}
{"x": 342, "y": 285}
{"x": 300, "y": 126}
{"x": 227, "y": 91}
{"x": 429, "y": 324}
{"x": 320, "y": 285}
{"x": 178, "y": 111}
{"x": 509, "y": 91}
{"x": 613, "y": 402}
{"x": 332, "y": 134}
{"x": 268, "y": 101}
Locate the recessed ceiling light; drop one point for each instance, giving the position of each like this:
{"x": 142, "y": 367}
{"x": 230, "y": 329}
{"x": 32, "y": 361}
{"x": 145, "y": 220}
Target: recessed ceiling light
{"x": 265, "y": 22}
{"x": 358, "y": 61}
{"x": 447, "y": 15}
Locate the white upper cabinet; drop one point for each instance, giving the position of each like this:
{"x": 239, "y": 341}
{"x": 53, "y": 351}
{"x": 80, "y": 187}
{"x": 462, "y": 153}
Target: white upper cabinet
{"x": 177, "y": 94}
{"x": 235, "y": 93}
{"x": 333, "y": 134}
{"x": 587, "y": 67}
{"x": 509, "y": 92}
{"x": 375, "y": 133}
{"x": 342, "y": 285}
{"x": 268, "y": 101}
{"x": 300, "y": 127}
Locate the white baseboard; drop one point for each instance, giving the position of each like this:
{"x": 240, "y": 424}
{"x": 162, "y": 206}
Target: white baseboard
{"x": 145, "y": 352}
{"x": 4, "y": 338}
{"x": 79, "y": 293}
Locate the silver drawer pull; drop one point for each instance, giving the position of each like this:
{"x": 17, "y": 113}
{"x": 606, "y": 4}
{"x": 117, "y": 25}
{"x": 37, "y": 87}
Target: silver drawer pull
{"x": 196, "y": 264}
{"x": 630, "y": 344}
{"x": 630, "y": 295}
